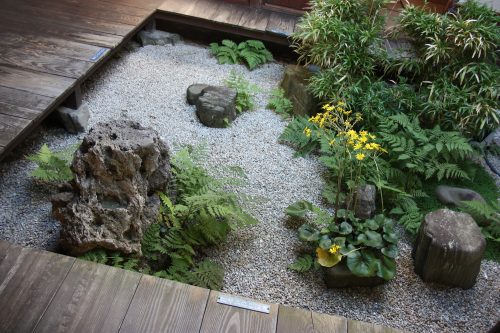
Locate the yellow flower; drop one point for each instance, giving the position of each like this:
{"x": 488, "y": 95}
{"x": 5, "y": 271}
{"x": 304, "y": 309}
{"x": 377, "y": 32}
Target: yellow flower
{"x": 334, "y": 249}
{"x": 307, "y": 132}
{"x": 358, "y": 146}
{"x": 331, "y": 142}
{"x": 360, "y": 156}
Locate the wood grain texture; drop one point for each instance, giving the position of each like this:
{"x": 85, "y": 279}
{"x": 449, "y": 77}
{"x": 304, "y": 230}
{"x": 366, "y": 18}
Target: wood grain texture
{"x": 255, "y": 19}
{"x": 39, "y": 60}
{"x": 292, "y": 320}
{"x": 92, "y": 298}
{"x": 354, "y": 326}
{"x": 223, "y": 318}
{"x": 329, "y": 324}
{"x": 35, "y": 82}
{"x": 28, "y": 281}
{"x": 18, "y": 111}
{"x": 11, "y": 127}
{"x": 161, "y": 305}
{"x": 24, "y": 99}
{"x": 19, "y": 40}
{"x": 281, "y": 24}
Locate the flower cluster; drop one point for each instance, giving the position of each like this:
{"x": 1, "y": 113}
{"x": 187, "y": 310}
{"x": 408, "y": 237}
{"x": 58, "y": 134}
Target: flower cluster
{"x": 338, "y": 123}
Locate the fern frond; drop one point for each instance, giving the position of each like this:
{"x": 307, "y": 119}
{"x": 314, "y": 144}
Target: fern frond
{"x": 207, "y": 274}
{"x": 302, "y": 264}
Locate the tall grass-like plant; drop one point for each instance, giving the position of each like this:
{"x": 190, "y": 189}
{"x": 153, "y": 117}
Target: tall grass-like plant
{"x": 342, "y": 37}
{"x": 455, "y": 66}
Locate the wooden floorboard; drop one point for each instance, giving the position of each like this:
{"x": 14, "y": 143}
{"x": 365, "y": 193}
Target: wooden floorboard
{"x": 165, "y": 306}
{"x": 18, "y": 111}
{"x": 11, "y": 127}
{"x": 92, "y": 298}
{"x": 224, "y": 318}
{"x": 329, "y": 324}
{"x": 28, "y": 281}
{"x": 24, "y": 99}
{"x": 293, "y": 320}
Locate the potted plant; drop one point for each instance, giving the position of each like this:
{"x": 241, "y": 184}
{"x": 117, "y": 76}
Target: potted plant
{"x": 353, "y": 252}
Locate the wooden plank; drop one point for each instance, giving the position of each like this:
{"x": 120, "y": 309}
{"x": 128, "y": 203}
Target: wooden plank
{"x": 178, "y": 7}
{"x": 35, "y": 82}
{"x": 281, "y": 24}
{"x": 24, "y": 99}
{"x": 329, "y": 324}
{"x": 19, "y": 40}
{"x": 228, "y": 14}
{"x": 40, "y": 61}
{"x": 86, "y": 9}
{"x": 354, "y": 326}
{"x": 26, "y": 25}
{"x": 64, "y": 18}
{"x": 18, "y": 111}
{"x": 224, "y": 318}
{"x": 255, "y": 19}
{"x": 161, "y": 305}
{"x": 10, "y": 127}
{"x": 292, "y": 320}
{"x": 145, "y": 4}
{"x": 28, "y": 281}
{"x": 92, "y": 298}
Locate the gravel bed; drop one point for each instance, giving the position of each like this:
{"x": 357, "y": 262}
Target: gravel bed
{"x": 149, "y": 86}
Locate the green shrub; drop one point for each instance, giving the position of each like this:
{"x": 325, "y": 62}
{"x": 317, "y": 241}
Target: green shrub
{"x": 251, "y": 52}
{"x": 342, "y": 37}
{"x": 455, "y": 66}
{"x": 245, "y": 100}
{"x": 53, "y": 166}
{"x": 202, "y": 216}
{"x": 280, "y": 104}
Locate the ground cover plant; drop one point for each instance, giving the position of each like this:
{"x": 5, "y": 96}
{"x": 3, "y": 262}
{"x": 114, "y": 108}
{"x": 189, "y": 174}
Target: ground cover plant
{"x": 251, "y": 52}
{"x": 279, "y": 103}
{"x": 52, "y": 166}
{"x": 245, "y": 98}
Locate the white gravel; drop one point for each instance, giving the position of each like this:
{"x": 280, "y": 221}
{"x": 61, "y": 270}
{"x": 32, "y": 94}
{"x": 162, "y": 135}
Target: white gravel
{"x": 149, "y": 86}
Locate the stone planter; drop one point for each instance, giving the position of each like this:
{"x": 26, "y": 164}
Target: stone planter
{"x": 339, "y": 276}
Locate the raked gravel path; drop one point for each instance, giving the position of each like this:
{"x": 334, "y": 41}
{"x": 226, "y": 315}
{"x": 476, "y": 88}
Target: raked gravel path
{"x": 149, "y": 86}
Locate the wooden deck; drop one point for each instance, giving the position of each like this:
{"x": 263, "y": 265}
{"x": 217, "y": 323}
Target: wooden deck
{"x": 46, "y": 292}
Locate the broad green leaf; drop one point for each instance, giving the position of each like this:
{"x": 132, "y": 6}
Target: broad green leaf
{"x": 308, "y": 233}
{"x": 391, "y": 237}
{"x": 372, "y": 224}
{"x": 386, "y": 268}
{"x": 325, "y": 242}
{"x": 373, "y": 239}
{"x": 390, "y": 251}
{"x": 345, "y": 228}
{"x": 300, "y": 208}
{"x": 362, "y": 263}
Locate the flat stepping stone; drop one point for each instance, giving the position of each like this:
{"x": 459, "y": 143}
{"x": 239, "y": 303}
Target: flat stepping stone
{"x": 216, "y": 107}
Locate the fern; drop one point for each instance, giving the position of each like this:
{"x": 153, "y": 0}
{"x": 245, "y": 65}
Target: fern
{"x": 251, "y": 52}
{"x": 246, "y": 91}
{"x": 302, "y": 264}
{"x": 487, "y": 216}
{"x": 294, "y": 136}
{"x": 52, "y": 166}
{"x": 98, "y": 256}
{"x": 430, "y": 153}
{"x": 279, "y": 103}
{"x": 207, "y": 275}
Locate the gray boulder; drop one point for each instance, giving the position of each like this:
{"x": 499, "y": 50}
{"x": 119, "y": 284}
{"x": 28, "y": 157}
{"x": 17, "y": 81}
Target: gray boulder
{"x": 216, "y": 106}
{"x": 158, "y": 37}
{"x": 449, "y": 248}
{"x": 294, "y": 84}
{"x": 194, "y": 91}
{"x": 74, "y": 121}
{"x": 117, "y": 170}
{"x": 449, "y": 195}
{"x": 365, "y": 202}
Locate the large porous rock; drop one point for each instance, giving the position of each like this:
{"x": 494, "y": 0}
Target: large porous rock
{"x": 216, "y": 106}
{"x": 455, "y": 195}
{"x": 339, "y": 276}
{"x": 118, "y": 168}
{"x": 158, "y": 37}
{"x": 194, "y": 91}
{"x": 449, "y": 249}
{"x": 365, "y": 201}
{"x": 294, "y": 84}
